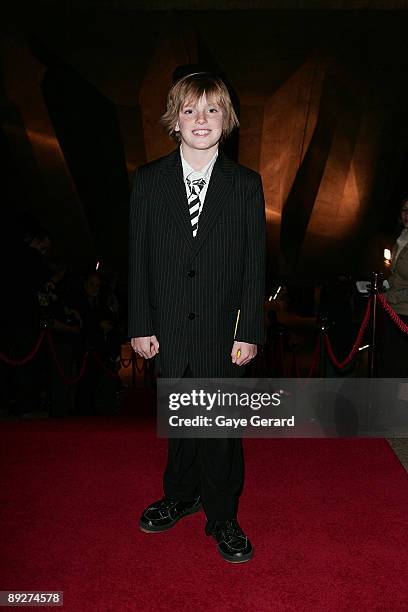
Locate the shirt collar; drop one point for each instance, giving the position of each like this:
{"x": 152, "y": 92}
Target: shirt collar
{"x": 204, "y": 172}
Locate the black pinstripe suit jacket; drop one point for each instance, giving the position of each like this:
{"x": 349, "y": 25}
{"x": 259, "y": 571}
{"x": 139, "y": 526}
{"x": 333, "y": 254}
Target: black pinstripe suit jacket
{"x": 185, "y": 290}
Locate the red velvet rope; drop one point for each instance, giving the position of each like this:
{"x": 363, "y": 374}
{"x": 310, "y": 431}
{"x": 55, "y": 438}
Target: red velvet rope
{"x": 137, "y": 367}
{"x": 392, "y": 314}
{"x": 29, "y": 357}
{"x": 123, "y": 361}
{"x": 66, "y": 379}
{"x": 342, "y": 364}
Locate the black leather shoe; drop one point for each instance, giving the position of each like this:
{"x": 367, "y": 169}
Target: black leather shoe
{"x": 233, "y": 544}
{"x": 163, "y": 514}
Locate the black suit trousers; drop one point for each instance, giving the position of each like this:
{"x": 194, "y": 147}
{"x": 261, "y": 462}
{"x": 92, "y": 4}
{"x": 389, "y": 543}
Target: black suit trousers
{"x": 210, "y": 467}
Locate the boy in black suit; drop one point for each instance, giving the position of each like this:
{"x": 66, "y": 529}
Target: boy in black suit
{"x": 197, "y": 259}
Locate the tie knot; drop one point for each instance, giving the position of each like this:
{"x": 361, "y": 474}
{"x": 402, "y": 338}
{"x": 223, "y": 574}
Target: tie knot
{"x": 196, "y": 184}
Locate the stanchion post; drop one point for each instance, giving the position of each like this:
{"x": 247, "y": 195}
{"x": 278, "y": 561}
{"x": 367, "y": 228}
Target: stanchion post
{"x": 323, "y": 355}
{"x": 376, "y": 278}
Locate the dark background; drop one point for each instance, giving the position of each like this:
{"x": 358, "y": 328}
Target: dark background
{"x": 322, "y": 103}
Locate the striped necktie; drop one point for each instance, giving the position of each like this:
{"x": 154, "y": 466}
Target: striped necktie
{"x": 194, "y": 202}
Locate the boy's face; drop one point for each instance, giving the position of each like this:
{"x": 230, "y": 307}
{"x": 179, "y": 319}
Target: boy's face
{"x": 200, "y": 123}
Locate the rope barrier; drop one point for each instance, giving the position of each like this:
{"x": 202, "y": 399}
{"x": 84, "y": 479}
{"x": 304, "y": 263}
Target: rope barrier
{"x": 28, "y": 358}
{"x": 140, "y": 370}
{"x": 342, "y": 364}
{"x": 122, "y": 363}
{"x": 392, "y": 314}
{"x": 66, "y": 379}
{"x": 293, "y": 367}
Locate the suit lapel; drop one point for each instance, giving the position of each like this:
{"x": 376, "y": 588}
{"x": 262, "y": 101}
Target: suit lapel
{"x": 216, "y": 197}
{"x": 218, "y": 189}
{"x": 175, "y": 191}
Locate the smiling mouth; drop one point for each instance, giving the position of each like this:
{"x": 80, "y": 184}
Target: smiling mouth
{"x": 201, "y": 132}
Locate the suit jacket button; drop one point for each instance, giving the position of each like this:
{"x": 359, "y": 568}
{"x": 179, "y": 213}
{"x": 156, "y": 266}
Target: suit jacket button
{"x": 191, "y": 273}
{"x": 191, "y": 315}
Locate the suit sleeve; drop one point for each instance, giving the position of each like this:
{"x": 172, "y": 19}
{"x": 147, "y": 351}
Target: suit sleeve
{"x": 139, "y": 317}
{"x": 251, "y": 326}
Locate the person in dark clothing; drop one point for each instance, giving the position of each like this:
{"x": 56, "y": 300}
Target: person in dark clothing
{"x": 392, "y": 343}
{"x": 65, "y": 326}
{"x": 21, "y": 317}
{"x": 99, "y": 332}
{"x": 196, "y": 260}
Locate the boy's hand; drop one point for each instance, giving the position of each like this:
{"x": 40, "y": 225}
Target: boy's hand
{"x": 145, "y": 346}
{"x": 242, "y": 353}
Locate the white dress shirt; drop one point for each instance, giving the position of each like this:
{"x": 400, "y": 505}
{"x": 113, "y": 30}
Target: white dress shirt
{"x": 192, "y": 175}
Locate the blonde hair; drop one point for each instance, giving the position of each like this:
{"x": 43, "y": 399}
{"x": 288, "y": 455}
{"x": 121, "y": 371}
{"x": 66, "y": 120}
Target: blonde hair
{"x": 191, "y": 88}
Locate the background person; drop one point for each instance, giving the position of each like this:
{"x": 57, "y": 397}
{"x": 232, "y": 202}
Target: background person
{"x": 99, "y": 332}
{"x": 392, "y": 351}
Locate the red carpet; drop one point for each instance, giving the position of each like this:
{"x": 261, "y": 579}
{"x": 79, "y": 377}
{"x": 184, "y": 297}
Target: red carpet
{"x": 328, "y": 519}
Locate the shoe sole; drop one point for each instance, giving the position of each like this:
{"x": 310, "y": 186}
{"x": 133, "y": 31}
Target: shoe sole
{"x": 244, "y": 559}
{"x": 167, "y": 527}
